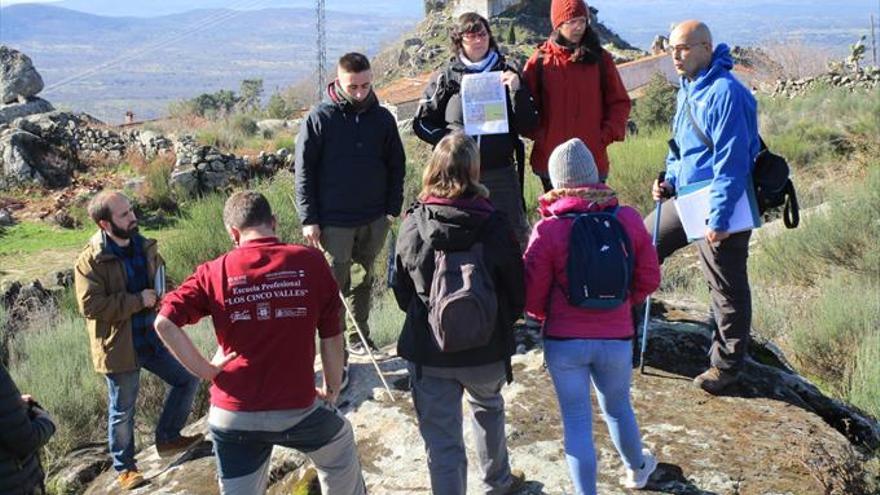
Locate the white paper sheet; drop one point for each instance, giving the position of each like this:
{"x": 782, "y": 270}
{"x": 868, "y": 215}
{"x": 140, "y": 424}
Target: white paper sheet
{"x": 693, "y": 210}
{"x": 484, "y": 104}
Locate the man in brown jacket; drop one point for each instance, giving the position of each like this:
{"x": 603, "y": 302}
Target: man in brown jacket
{"x": 115, "y": 279}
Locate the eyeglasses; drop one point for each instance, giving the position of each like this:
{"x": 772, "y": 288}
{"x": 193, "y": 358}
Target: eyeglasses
{"x": 476, "y": 36}
{"x": 577, "y": 21}
{"x": 682, "y": 48}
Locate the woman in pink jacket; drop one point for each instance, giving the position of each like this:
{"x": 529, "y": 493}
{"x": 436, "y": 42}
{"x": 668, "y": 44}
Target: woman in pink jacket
{"x": 588, "y": 345}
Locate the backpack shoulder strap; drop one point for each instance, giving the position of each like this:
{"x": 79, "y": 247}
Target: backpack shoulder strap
{"x": 539, "y": 78}
{"x": 700, "y": 134}
{"x": 791, "y": 212}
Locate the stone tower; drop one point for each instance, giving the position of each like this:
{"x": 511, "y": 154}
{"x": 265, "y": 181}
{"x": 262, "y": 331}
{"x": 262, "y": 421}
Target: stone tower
{"x": 486, "y": 8}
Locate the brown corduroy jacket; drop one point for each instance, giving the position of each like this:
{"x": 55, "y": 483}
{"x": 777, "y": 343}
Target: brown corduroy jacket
{"x": 107, "y": 305}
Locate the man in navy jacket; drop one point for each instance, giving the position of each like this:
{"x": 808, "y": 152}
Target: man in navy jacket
{"x": 350, "y": 166}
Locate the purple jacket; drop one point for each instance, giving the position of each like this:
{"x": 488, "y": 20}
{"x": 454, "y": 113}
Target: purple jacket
{"x": 547, "y": 256}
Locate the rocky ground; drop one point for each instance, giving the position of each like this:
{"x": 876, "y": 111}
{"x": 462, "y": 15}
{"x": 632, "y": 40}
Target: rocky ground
{"x": 772, "y": 434}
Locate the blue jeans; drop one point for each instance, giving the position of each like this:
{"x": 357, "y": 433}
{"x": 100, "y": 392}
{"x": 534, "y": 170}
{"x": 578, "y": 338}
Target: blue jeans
{"x": 573, "y": 364}
{"x": 123, "y": 388}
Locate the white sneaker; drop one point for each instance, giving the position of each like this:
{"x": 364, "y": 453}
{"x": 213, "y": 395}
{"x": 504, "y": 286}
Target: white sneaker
{"x": 638, "y": 478}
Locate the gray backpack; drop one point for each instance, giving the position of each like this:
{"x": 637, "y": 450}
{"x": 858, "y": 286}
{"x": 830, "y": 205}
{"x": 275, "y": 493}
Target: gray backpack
{"x": 462, "y": 304}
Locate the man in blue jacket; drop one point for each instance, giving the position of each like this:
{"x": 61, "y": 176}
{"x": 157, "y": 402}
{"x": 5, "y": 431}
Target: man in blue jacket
{"x": 349, "y": 168}
{"x": 715, "y": 138}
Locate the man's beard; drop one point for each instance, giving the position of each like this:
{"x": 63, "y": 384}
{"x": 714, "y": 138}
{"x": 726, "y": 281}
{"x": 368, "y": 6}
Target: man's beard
{"x": 121, "y": 233}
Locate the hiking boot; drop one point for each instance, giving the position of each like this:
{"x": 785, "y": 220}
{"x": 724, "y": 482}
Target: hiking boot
{"x": 517, "y": 482}
{"x": 178, "y": 445}
{"x": 714, "y": 380}
{"x": 638, "y": 478}
{"x": 130, "y": 479}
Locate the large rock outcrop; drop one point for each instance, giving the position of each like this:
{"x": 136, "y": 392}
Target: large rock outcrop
{"x": 39, "y": 149}
{"x": 30, "y": 106}
{"x": 19, "y": 79}
{"x": 772, "y": 434}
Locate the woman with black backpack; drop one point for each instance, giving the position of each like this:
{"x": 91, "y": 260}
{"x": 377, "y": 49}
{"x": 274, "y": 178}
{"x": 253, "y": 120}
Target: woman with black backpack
{"x": 589, "y": 260}
{"x": 459, "y": 278}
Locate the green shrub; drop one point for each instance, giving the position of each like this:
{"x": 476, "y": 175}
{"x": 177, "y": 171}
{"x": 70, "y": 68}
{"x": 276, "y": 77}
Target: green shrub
{"x": 55, "y": 366}
{"x": 822, "y": 124}
{"x": 865, "y": 381}
{"x": 243, "y": 124}
{"x": 200, "y": 235}
{"x": 634, "y": 166}
{"x": 844, "y": 238}
{"x": 827, "y": 336}
{"x": 158, "y": 194}
{"x": 284, "y": 141}
{"x": 656, "y": 107}
{"x": 230, "y": 133}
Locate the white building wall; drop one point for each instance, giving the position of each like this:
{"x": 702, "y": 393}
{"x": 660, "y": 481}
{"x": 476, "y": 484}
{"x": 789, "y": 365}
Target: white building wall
{"x": 486, "y": 8}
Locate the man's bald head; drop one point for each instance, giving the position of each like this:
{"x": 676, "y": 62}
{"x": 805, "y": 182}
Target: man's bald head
{"x": 693, "y": 30}
{"x": 691, "y": 45}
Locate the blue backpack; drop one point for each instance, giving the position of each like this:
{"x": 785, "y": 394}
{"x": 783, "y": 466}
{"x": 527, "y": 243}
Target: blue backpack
{"x": 600, "y": 261}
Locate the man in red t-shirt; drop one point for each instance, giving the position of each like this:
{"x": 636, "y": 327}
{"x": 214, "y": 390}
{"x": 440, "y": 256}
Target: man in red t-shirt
{"x": 266, "y": 299}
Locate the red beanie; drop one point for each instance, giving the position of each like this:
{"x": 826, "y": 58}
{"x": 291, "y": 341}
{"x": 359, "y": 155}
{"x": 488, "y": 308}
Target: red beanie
{"x": 565, "y": 10}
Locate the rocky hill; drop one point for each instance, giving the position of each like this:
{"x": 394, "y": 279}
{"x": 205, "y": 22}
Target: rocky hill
{"x": 518, "y": 30}
{"x": 772, "y": 434}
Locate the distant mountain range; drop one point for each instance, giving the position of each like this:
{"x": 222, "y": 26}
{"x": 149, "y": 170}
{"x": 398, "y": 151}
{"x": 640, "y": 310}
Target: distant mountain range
{"x": 828, "y": 24}
{"x": 153, "y": 8}
{"x": 107, "y": 65}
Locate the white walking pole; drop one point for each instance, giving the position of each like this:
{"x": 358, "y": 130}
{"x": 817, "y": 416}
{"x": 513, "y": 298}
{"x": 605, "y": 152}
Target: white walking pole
{"x": 660, "y": 179}
{"x": 366, "y": 346}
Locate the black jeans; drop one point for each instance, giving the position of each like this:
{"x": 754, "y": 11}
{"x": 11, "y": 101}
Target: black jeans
{"x": 725, "y": 270}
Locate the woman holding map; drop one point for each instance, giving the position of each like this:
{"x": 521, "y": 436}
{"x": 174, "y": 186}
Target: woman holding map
{"x": 495, "y": 127}
{"x": 578, "y": 90}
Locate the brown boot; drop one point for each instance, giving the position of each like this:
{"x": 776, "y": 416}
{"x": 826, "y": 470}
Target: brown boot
{"x": 178, "y": 445}
{"x": 130, "y": 479}
{"x": 714, "y": 380}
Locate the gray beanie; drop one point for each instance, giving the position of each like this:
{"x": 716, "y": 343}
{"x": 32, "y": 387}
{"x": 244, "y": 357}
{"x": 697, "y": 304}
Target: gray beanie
{"x": 572, "y": 165}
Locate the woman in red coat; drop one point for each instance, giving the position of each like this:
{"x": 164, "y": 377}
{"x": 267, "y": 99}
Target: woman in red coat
{"x": 578, "y": 89}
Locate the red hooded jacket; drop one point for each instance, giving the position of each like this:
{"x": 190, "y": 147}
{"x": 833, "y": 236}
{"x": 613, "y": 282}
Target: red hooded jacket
{"x": 572, "y": 104}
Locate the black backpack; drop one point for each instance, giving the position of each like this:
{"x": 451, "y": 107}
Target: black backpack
{"x": 773, "y": 186}
{"x": 600, "y": 262}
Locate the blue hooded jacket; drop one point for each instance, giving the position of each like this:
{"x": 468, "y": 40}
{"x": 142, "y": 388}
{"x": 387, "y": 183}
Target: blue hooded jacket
{"x": 726, "y": 111}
